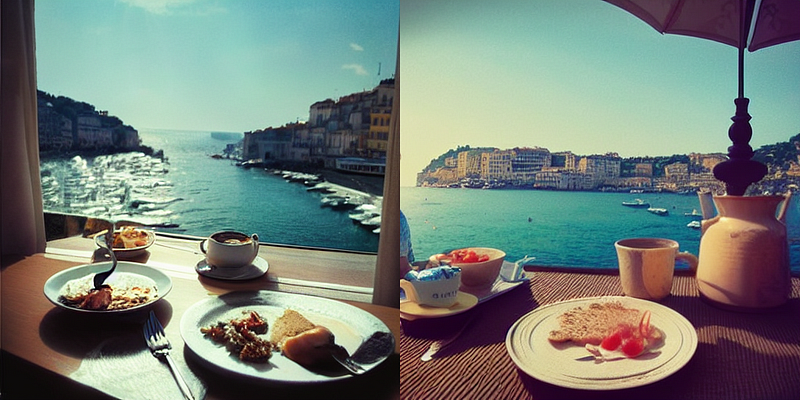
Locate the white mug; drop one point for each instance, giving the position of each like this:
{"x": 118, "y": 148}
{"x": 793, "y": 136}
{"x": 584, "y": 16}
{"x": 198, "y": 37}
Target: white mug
{"x": 647, "y": 266}
{"x": 230, "y": 249}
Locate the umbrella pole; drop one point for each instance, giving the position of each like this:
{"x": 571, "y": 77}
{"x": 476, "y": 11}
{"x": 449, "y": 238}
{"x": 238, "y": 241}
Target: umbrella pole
{"x": 739, "y": 171}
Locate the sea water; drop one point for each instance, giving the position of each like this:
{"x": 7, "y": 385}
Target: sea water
{"x": 215, "y": 194}
{"x": 558, "y": 228}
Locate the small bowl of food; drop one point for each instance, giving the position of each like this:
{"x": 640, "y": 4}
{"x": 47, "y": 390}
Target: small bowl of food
{"x": 480, "y": 266}
{"x": 129, "y": 241}
{"x": 132, "y": 287}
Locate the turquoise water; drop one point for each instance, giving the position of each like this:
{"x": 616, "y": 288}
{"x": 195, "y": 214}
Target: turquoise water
{"x": 566, "y": 229}
{"x": 218, "y": 195}
{"x": 571, "y": 229}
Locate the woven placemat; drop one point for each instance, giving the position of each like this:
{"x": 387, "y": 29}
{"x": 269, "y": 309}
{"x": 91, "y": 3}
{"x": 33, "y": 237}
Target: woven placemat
{"x": 739, "y": 355}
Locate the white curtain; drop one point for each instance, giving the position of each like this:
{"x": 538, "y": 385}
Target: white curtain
{"x": 387, "y": 271}
{"x": 22, "y": 229}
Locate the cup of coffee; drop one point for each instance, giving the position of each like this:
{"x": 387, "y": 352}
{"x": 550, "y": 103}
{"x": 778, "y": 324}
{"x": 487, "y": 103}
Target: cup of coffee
{"x": 435, "y": 287}
{"x": 647, "y": 265}
{"x": 230, "y": 249}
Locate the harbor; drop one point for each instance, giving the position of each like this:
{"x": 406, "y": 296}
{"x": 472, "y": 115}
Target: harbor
{"x": 191, "y": 192}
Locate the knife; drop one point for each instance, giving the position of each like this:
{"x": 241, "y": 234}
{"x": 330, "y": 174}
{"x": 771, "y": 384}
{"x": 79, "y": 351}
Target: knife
{"x": 440, "y": 344}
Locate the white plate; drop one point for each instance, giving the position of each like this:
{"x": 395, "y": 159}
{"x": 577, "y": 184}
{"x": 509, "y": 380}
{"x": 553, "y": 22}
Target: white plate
{"x": 258, "y": 268}
{"x": 54, "y": 285}
{"x": 131, "y": 251}
{"x": 558, "y": 364}
{"x": 350, "y": 326}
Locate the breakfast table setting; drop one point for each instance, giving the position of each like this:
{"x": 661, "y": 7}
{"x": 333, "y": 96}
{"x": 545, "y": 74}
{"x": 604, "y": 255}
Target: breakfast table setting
{"x": 149, "y": 337}
{"x": 500, "y": 340}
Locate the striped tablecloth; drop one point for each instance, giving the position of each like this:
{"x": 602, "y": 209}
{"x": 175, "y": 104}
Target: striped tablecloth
{"x": 739, "y": 355}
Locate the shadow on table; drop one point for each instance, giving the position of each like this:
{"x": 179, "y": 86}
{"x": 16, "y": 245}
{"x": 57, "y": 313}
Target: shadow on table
{"x": 380, "y": 382}
{"x": 75, "y": 334}
{"x": 502, "y": 311}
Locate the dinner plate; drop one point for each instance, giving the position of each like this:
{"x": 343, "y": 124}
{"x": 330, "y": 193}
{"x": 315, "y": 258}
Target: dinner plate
{"x": 410, "y": 310}
{"x": 350, "y": 325}
{"x": 54, "y": 286}
{"x": 566, "y": 364}
{"x": 131, "y": 251}
{"x": 258, "y": 268}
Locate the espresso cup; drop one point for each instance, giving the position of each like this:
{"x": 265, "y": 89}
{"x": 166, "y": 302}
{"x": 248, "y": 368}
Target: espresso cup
{"x": 230, "y": 249}
{"x": 647, "y": 266}
{"x": 435, "y": 293}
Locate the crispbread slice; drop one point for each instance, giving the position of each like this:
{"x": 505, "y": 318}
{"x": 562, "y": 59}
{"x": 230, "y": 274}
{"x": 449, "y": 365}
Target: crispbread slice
{"x": 593, "y": 323}
{"x": 291, "y": 323}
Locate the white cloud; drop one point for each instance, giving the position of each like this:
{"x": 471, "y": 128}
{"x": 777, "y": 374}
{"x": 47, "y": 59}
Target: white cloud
{"x": 165, "y": 7}
{"x": 356, "y": 47}
{"x": 357, "y": 68}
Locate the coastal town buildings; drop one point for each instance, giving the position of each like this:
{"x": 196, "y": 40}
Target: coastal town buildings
{"x": 67, "y": 129}
{"x": 539, "y": 169}
{"x": 352, "y": 129}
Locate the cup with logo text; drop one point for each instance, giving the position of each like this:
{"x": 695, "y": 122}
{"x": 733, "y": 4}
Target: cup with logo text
{"x": 435, "y": 287}
{"x": 230, "y": 249}
{"x": 647, "y": 266}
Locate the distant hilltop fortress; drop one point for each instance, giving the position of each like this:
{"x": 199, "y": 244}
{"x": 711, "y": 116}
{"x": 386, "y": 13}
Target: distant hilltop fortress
{"x": 538, "y": 168}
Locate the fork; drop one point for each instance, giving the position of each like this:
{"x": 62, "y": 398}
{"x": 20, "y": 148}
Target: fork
{"x": 341, "y": 356}
{"x": 160, "y": 347}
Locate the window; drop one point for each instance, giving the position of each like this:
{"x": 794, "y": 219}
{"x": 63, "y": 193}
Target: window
{"x": 189, "y": 116}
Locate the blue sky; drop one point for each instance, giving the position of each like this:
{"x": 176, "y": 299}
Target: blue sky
{"x": 579, "y": 75}
{"x": 213, "y": 65}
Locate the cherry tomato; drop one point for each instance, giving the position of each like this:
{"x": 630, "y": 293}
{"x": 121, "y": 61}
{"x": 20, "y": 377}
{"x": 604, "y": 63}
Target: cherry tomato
{"x": 633, "y": 347}
{"x": 612, "y": 342}
{"x": 471, "y": 257}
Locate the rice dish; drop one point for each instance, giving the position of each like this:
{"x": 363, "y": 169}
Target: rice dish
{"x": 123, "y": 290}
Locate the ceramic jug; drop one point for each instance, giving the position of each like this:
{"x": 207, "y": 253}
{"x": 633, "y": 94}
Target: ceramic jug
{"x": 744, "y": 258}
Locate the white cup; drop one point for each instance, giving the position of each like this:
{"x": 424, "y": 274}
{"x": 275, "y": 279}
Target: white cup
{"x": 647, "y": 266}
{"x": 230, "y": 249}
{"x": 435, "y": 293}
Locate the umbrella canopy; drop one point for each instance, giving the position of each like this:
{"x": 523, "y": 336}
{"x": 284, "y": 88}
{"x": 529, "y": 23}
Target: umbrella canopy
{"x": 778, "y": 21}
{"x": 739, "y": 23}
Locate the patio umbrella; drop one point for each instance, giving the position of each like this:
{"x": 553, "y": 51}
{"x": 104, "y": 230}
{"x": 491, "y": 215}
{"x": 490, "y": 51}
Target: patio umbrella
{"x": 727, "y": 21}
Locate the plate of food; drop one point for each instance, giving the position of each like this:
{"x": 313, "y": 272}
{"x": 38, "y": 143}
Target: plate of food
{"x": 601, "y": 343}
{"x": 129, "y": 241}
{"x": 271, "y": 336}
{"x": 132, "y": 287}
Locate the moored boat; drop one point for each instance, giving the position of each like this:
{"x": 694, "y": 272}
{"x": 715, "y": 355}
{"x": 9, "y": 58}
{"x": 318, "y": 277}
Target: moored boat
{"x": 694, "y": 214}
{"x": 639, "y": 203}
{"x": 658, "y": 211}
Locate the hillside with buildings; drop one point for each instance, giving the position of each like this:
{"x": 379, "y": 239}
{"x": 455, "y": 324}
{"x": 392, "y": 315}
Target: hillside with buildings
{"x": 66, "y": 126}
{"x": 349, "y": 133}
{"x": 538, "y": 168}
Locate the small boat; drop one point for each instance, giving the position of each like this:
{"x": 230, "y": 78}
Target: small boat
{"x": 694, "y": 224}
{"x": 636, "y": 203}
{"x": 694, "y": 214}
{"x": 658, "y": 211}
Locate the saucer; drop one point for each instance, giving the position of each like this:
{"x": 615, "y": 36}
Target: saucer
{"x": 257, "y": 268}
{"x": 411, "y": 311}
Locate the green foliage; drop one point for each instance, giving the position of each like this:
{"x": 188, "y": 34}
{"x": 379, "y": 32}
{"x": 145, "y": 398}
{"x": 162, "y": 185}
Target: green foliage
{"x": 72, "y": 109}
{"x": 778, "y": 154}
{"x": 440, "y": 161}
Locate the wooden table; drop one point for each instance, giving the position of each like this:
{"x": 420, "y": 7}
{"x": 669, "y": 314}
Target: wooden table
{"x": 739, "y": 355}
{"x": 51, "y": 343}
